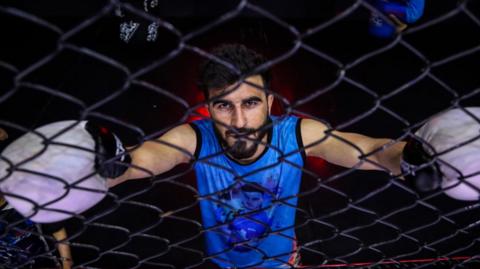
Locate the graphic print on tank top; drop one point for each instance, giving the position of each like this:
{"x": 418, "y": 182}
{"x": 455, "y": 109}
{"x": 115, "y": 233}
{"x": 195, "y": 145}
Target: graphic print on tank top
{"x": 247, "y": 211}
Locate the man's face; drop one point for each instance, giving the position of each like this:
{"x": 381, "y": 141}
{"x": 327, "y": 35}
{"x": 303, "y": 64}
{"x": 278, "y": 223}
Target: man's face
{"x": 252, "y": 200}
{"x": 239, "y": 115}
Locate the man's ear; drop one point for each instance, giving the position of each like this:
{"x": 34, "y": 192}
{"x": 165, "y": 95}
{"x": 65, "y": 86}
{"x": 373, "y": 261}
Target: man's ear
{"x": 207, "y": 107}
{"x": 270, "y": 99}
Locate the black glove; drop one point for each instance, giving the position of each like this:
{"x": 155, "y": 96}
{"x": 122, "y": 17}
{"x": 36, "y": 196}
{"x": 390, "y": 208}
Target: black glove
{"x": 107, "y": 146}
{"x": 425, "y": 179}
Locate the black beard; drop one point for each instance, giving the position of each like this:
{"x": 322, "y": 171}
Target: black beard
{"x": 239, "y": 149}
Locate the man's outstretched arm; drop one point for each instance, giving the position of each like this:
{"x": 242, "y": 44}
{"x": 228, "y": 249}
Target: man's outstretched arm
{"x": 345, "y": 149}
{"x": 160, "y": 155}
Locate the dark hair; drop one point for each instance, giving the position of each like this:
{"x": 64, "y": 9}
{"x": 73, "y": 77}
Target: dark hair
{"x": 214, "y": 75}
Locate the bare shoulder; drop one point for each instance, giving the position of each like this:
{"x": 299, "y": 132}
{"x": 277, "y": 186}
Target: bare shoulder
{"x": 312, "y": 131}
{"x": 185, "y": 130}
{"x": 182, "y": 136}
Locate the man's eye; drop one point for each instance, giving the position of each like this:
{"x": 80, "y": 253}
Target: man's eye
{"x": 223, "y": 106}
{"x": 251, "y": 103}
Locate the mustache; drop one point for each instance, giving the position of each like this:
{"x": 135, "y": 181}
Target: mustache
{"x": 243, "y": 132}
{"x": 240, "y": 132}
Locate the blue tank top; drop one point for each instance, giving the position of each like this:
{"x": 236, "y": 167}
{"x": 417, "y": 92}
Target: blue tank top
{"x": 248, "y": 210}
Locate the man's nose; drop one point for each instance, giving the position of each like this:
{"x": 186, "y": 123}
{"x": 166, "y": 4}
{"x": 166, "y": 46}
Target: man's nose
{"x": 239, "y": 119}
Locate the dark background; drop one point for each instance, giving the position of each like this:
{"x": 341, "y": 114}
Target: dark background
{"x": 78, "y": 53}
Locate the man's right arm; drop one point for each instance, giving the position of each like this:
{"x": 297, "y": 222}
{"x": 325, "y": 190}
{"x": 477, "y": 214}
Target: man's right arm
{"x": 157, "y": 156}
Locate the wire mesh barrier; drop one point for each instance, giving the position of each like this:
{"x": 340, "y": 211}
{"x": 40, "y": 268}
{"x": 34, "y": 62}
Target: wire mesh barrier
{"x": 264, "y": 169}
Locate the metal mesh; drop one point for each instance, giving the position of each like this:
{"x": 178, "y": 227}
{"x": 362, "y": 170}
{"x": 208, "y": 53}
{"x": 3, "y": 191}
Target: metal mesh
{"x": 70, "y": 62}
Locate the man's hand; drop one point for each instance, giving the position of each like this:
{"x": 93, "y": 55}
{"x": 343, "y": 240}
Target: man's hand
{"x": 107, "y": 147}
{"x": 445, "y": 153}
{"x": 58, "y": 168}
{"x": 421, "y": 172}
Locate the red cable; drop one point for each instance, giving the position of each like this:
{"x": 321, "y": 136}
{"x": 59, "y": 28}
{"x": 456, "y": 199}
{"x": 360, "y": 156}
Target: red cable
{"x": 390, "y": 262}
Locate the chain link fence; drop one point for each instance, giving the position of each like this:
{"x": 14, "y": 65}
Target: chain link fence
{"x": 133, "y": 65}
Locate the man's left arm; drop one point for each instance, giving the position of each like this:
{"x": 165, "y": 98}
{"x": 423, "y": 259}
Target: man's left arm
{"x": 346, "y": 149}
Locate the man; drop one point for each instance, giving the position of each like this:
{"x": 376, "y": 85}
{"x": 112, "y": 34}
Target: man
{"x": 248, "y": 162}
